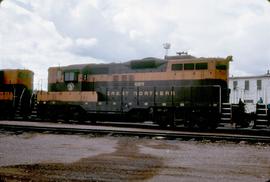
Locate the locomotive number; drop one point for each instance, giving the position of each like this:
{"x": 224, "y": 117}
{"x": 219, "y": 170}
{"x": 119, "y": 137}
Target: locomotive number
{"x": 139, "y": 84}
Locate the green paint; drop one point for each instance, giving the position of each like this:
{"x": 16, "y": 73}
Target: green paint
{"x": 23, "y": 75}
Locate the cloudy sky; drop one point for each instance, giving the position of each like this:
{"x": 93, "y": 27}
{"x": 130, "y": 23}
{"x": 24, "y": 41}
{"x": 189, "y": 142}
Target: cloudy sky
{"x": 37, "y": 34}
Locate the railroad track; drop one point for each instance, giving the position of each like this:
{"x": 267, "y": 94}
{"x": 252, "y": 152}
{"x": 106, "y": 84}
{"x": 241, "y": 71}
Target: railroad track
{"x": 223, "y": 128}
{"x": 117, "y": 131}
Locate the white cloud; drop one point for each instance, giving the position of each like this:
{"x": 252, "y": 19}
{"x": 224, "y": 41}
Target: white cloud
{"x": 86, "y": 43}
{"x": 31, "y": 42}
{"x": 37, "y": 34}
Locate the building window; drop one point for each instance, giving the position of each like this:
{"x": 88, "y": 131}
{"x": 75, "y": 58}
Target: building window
{"x": 201, "y": 66}
{"x": 177, "y": 67}
{"x": 235, "y": 83}
{"x": 246, "y": 84}
{"x": 259, "y": 84}
{"x": 249, "y": 101}
{"x": 189, "y": 66}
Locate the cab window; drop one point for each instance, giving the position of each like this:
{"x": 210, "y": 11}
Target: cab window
{"x": 71, "y": 76}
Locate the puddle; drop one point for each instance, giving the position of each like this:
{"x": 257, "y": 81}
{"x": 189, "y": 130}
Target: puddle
{"x": 125, "y": 164}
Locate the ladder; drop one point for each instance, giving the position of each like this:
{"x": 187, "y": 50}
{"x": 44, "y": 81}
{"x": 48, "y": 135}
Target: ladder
{"x": 33, "y": 105}
{"x": 18, "y": 109}
{"x": 226, "y": 113}
{"x": 261, "y": 117}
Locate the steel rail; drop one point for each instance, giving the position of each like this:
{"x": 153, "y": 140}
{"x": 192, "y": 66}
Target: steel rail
{"x": 220, "y": 129}
{"x": 158, "y": 134}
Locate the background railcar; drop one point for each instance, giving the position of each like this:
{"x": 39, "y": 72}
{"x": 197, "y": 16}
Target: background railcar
{"x": 16, "y": 87}
{"x": 178, "y": 89}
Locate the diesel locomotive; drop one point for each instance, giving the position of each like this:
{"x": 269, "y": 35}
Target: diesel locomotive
{"x": 16, "y": 90}
{"x": 179, "y": 89}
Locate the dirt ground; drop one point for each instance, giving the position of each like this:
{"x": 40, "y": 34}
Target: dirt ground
{"x": 50, "y": 157}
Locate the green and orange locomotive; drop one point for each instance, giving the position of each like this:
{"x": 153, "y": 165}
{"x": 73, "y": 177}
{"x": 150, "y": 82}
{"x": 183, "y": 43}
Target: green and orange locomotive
{"x": 16, "y": 90}
{"x": 175, "y": 90}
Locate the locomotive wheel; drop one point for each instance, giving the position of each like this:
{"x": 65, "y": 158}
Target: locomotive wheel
{"x": 202, "y": 122}
{"x": 158, "y": 118}
{"x": 162, "y": 121}
{"x": 206, "y": 123}
{"x": 189, "y": 124}
{"x": 79, "y": 115}
{"x": 213, "y": 125}
{"x": 164, "y": 117}
{"x": 213, "y": 121}
{"x": 172, "y": 120}
{"x": 189, "y": 121}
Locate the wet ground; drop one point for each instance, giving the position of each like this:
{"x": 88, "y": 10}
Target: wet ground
{"x": 51, "y": 157}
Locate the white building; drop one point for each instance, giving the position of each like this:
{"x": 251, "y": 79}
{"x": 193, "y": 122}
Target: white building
{"x": 250, "y": 89}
